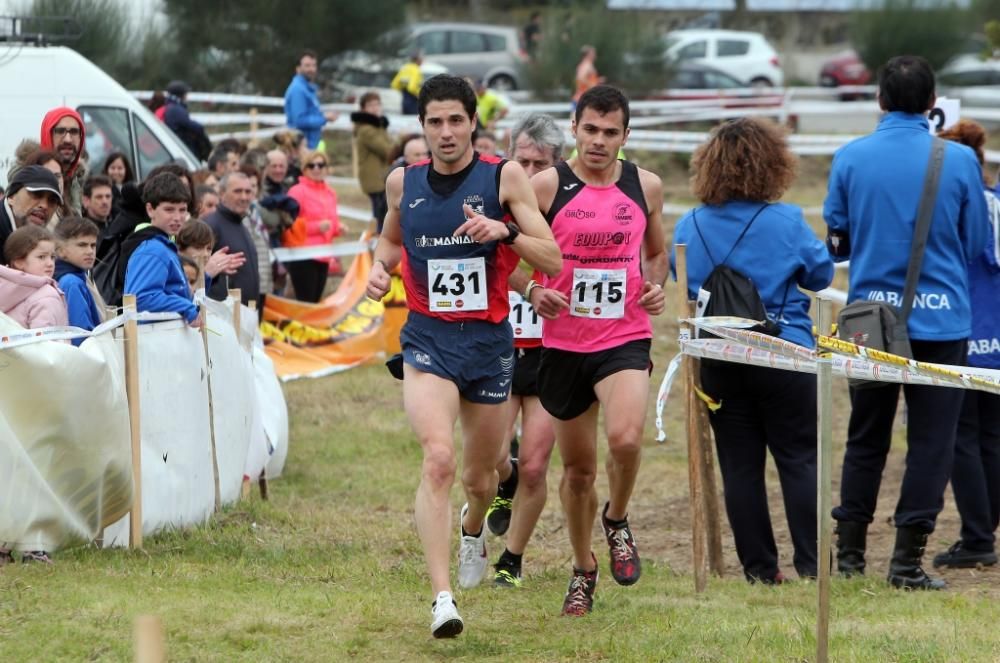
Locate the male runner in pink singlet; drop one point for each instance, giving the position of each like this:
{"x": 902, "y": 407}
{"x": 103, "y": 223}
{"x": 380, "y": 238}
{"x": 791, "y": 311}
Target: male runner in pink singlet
{"x": 596, "y": 335}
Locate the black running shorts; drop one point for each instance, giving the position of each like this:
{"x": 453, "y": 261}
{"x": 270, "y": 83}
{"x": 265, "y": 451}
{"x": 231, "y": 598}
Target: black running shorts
{"x": 566, "y": 379}
{"x": 526, "y": 371}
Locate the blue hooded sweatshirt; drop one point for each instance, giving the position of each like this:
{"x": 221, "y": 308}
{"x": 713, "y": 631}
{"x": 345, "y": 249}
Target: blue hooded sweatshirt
{"x": 155, "y": 276}
{"x": 302, "y": 110}
{"x": 80, "y": 302}
{"x": 871, "y": 206}
{"x": 984, "y": 288}
{"x": 778, "y": 252}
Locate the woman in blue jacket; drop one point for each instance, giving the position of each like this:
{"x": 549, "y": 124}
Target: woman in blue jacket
{"x": 739, "y": 174}
{"x": 975, "y": 476}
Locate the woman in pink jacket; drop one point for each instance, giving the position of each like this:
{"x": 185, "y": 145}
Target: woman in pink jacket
{"x": 318, "y": 223}
{"x": 28, "y": 294}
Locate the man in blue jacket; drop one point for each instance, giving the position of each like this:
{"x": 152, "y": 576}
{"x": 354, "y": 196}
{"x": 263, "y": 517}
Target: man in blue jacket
{"x": 874, "y": 191}
{"x": 302, "y": 109}
{"x": 154, "y": 273}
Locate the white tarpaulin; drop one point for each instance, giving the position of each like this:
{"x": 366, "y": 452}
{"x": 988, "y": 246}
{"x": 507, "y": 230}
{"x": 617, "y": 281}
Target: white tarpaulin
{"x": 178, "y": 483}
{"x": 65, "y": 450}
{"x": 233, "y": 399}
{"x": 65, "y": 458}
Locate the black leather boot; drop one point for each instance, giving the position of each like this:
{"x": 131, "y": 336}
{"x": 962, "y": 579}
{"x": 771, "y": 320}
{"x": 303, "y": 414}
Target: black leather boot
{"x": 851, "y": 548}
{"x": 904, "y": 569}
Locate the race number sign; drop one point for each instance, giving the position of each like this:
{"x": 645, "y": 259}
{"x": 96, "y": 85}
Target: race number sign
{"x": 523, "y": 318}
{"x": 457, "y": 285}
{"x": 944, "y": 115}
{"x": 598, "y": 293}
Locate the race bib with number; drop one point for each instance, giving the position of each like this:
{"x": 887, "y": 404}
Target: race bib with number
{"x": 457, "y": 285}
{"x": 598, "y": 293}
{"x": 523, "y": 318}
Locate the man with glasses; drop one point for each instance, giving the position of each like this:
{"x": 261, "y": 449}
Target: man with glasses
{"x": 63, "y": 133}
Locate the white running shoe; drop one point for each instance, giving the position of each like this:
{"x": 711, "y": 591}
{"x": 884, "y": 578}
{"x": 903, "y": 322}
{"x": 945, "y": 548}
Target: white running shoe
{"x": 472, "y": 560}
{"x": 447, "y": 623}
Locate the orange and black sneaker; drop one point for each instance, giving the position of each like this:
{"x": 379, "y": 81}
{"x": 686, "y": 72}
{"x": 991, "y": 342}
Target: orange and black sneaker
{"x": 580, "y": 595}
{"x": 625, "y": 564}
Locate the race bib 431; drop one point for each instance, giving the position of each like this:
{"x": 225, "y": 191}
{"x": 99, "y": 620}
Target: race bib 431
{"x": 457, "y": 285}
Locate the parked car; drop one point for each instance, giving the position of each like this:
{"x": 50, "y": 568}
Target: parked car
{"x": 746, "y": 56}
{"x": 970, "y": 71}
{"x": 494, "y": 53}
{"x": 844, "y": 68}
{"x": 690, "y": 81}
{"x": 346, "y": 76}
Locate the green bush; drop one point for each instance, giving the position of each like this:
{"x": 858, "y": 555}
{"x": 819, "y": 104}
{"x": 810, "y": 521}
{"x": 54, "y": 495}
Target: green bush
{"x": 630, "y": 56}
{"x": 935, "y": 30}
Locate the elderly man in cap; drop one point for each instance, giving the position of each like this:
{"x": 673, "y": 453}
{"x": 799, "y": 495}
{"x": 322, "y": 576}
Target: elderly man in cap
{"x": 177, "y": 117}
{"x": 32, "y": 196}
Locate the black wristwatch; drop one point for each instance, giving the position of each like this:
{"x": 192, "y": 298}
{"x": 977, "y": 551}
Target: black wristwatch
{"x": 514, "y": 232}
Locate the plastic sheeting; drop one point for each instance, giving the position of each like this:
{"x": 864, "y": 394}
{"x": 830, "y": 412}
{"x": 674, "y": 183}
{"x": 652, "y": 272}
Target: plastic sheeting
{"x": 65, "y": 450}
{"x": 65, "y": 457}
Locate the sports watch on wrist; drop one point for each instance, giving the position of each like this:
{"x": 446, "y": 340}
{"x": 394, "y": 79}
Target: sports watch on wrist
{"x": 514, "y": 232}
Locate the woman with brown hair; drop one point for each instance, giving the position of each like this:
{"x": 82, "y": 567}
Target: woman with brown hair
{"x": 739, "y": 175}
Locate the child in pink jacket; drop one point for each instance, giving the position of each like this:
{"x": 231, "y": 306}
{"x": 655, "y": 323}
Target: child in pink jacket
{"x": 28, "y": 294}
{"x": 32, "y": 299}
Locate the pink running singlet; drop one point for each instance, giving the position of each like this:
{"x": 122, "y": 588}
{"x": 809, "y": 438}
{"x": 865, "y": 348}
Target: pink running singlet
{"x": 600, "y": 232}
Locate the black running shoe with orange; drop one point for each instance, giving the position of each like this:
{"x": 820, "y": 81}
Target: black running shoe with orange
{"x": 625, "y": 564}
{"x": 580, "y": 595}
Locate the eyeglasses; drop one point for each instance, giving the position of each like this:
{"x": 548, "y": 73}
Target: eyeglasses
{"x": 62, "y": 131}
{"x": 315, "y": 166}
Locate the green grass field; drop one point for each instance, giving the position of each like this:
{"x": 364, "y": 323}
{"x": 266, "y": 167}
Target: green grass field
{"x": 330, "y": 569}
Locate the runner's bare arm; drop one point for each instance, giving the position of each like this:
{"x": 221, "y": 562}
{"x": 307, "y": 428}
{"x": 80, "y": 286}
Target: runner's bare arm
{"x": 535, "y": 243}
{"x": 547, "y": 302}
{"x": 389, "y": 250}
{"x": 518, "y": 280}
{"x": 655, "y": 263}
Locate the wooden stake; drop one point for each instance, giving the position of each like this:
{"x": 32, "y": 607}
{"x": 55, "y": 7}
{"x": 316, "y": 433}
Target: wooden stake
{"x": 254, "y": 127}
{"x": 149, "y": 641}
{"x": 236, "y": 295}
{"x": 262, "y": 479}
{"x": 695, "y": 475}
{"x": 710, "y": 491}
{"x": 824, "y": 499}
{"x": 211, "y": 416}
{"x": 131, "y": 336}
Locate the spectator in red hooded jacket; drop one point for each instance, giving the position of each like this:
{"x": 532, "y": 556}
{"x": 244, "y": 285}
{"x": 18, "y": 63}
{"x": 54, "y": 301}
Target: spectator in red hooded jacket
{"x": 63, "y": 133}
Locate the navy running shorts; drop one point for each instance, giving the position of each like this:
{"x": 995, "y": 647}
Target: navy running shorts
{"x": 477, "y": 355}
{"x": 566, "y": 379}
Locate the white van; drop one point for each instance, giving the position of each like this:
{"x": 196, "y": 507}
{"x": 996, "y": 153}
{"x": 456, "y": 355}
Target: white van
{"x": 36, "y": 79}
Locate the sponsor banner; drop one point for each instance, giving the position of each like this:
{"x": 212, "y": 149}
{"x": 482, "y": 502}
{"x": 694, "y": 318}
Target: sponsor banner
{"x": 343, "y": 331}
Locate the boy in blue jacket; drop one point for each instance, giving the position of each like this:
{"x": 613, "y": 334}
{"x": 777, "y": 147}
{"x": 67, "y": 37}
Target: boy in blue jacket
{"x": 76, "y": 251}
{"x": 153, "y": 272}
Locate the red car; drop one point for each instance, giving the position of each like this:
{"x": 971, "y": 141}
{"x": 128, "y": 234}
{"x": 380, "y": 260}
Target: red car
{"x": 844, "y": 69}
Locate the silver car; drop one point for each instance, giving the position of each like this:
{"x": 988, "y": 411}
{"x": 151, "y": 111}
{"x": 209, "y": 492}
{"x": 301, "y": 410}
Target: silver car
{"x": 477, "y": 50}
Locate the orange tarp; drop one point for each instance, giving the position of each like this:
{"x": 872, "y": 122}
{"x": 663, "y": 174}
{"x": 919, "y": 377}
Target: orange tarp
{"x": 344, "y": 330}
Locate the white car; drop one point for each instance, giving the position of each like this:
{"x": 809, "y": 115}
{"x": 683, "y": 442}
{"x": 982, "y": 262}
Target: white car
{"x": 746, "y": 56}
